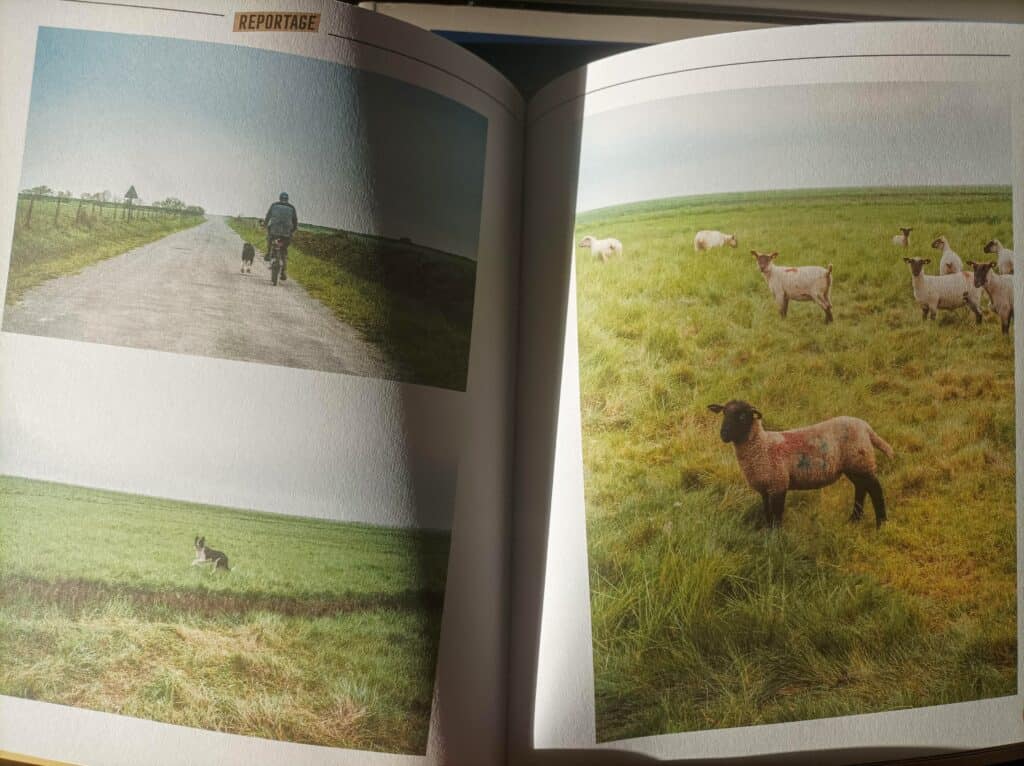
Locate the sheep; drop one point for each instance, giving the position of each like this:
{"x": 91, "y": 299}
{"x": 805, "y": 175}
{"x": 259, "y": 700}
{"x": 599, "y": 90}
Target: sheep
{"x": 1005, "y": 257}
{"x": 602, "y": 248}
{"x": 705, "y": 240}
{"x": 946, "y": 291}
{"x": 999, "y": 288}
{"x": 950, "y": 262}
{"x": 902, "y": 240}
{"x": 813, "y": 457}
{"x": 796, "y": 283}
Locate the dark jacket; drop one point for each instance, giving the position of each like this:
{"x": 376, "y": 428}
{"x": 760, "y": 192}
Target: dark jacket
{"x": 281, "y": 219}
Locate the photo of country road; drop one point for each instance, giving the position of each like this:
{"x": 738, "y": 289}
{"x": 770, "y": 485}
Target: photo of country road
{"x": 184, "y": 293}
{"x": 135, "y": 238}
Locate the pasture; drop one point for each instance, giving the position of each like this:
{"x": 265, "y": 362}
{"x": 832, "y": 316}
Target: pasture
{"x": 322, "y": 632}
{"x": 703, "y": 618}
{"x": 414, "y": 303}
{"x": 64, "y": 240}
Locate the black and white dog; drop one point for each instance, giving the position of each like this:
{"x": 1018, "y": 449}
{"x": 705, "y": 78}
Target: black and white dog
{"x": 248, "y": 253}
{"x": 206, "y": 555}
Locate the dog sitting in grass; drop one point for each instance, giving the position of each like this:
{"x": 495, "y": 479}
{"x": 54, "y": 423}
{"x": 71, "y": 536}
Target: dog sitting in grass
{"x": 248, "y": 254}
{"x": 205, "y": 555}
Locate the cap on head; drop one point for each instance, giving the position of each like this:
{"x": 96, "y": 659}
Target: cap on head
{"x": 283, "y": 197}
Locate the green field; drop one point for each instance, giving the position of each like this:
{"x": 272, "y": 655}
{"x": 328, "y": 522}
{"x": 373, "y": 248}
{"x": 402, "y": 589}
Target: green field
{"x": 61, "y": 242}
{"x": 704, "y": 619}
{"x": 414, "y": 303}
{"x": 322, "y": 632}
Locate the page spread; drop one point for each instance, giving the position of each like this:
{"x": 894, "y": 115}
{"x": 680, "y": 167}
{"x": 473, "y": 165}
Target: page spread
{"x": 259, "y": 279}
{"x": 767, "y": 474}
{"x": 352, "y": 411}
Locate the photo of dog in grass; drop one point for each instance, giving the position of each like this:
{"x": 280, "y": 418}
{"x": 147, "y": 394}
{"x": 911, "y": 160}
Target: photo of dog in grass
{"x": 731, "y": 398}
{"x": 316, "y": 631}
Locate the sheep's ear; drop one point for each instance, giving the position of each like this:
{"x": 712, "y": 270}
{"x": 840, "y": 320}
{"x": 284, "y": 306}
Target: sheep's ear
{"x": 972, "y": 264}
{"x": 927, "y": 261}
{"x": 754, "y": 253}
{"x": 716, "y": 407}
{"x": 756, "y": 413}
{"x": 774, "y": 255}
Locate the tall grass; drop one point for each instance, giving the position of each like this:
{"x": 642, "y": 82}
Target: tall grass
{"x": 414, "y": 303}
{"x": 322, "y": 632}
{"x": 702, "y": 618}
{"x": 56, "y": 244}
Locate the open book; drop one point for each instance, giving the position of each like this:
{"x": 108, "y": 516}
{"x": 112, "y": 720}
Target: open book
{"x": 353, "y": 411}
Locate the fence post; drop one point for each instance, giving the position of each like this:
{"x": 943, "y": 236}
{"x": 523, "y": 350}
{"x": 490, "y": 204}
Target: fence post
{"x": 78, "y": 212}
{"x": 56, "y": 212}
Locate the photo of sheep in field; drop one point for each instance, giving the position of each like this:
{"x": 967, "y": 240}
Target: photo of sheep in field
{"x": 731, "y": 445}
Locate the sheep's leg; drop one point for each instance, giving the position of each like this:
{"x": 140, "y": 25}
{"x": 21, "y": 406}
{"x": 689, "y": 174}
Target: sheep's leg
{"x": 778, "y": 505}
{"x": 877, "y": 499}
{"x": 766, "y": 498}
{"x": 860, "y": 491}
{"x": 783, "y": 304}
{"x": 827, "y": 308}
{"x": 973, "y": 305}
{"x": 924, "y": 313}
{"x": 1006, "y": 323}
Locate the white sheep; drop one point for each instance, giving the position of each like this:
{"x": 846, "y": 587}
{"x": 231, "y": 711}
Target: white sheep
{"x": 999, "y": 288}
{"x": 705, "y": 240}
{"x": 602, "y": 248}
{"x": 902, "y": 240}
{"x": 950, "y": 262}
{"x": 1004, "y": 256}
{"x": 774, "y": 462}
{"x": 796, "y": 283}
{"x": 945, "y": 291}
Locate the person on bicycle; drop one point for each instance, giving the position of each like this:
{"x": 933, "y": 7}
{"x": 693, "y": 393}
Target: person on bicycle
{"x": 281, "y": 221}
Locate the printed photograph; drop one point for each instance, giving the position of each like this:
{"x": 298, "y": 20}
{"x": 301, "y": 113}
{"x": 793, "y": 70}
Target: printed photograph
{"x": 217, "y": 200}
{"x": 261, "y": 624}
{"x": 797, "y": 392}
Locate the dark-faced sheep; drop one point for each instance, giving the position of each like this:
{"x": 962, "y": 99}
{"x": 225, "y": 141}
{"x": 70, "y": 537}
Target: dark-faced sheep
{"x": 774, "y": 462}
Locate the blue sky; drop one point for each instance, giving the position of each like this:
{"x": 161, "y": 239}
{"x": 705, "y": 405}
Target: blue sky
{"x": 229, "y": 127}
{"x": 790, "y": 137}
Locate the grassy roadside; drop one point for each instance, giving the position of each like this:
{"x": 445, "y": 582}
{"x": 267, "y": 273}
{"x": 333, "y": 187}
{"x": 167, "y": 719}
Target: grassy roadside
{"x": 414, "y": 303}
{"x": 48, "y": 250}
{"x": 701, "y": 618}
{"x": 323, "y": 632}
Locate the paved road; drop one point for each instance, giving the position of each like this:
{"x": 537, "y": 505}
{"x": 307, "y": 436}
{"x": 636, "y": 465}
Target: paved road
{"x": 184, "y": 293}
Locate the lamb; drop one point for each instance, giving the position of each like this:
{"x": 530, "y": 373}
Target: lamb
{"x": 902, "y": 240}
{"x": 946, "y": 291}
{"x": 950, "y": 262}
{"x": 999, "y": 288}
{"x": 796, "y": 283}
{"x": 1004, "y": 256}
{"x": 705, "y": 240}
{"x": 774, "y": 462}
{"x": 602, "y": 248}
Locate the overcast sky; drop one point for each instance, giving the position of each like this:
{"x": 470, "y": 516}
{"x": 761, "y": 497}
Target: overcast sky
{"x": 857, "y": 134}
{"x": 229, "y": 128}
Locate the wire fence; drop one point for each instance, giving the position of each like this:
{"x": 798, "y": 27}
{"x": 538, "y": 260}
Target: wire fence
{"x": 36, "y": 209}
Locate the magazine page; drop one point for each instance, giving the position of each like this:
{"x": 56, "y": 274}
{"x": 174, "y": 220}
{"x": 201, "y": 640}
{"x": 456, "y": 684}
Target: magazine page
{"x": 767, "y": 476}
{"x": 259, "y": 274}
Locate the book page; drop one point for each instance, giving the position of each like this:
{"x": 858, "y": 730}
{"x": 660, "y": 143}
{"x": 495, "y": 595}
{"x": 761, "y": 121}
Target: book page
{"x": 767, "y": 464}
{"x": 259, "y": 275}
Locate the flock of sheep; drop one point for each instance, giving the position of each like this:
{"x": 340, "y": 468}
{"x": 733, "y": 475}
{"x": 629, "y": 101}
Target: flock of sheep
{"x": 952, "y": 288}
{"x": 774, "y": 462}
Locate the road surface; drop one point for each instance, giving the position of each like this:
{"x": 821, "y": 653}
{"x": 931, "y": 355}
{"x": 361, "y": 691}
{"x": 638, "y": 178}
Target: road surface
{"x": 184, "y": 293}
